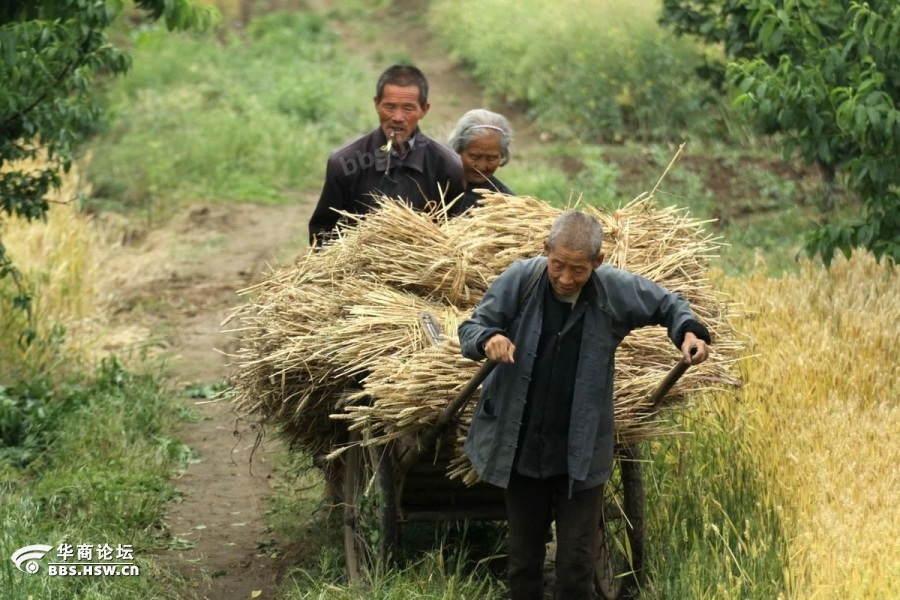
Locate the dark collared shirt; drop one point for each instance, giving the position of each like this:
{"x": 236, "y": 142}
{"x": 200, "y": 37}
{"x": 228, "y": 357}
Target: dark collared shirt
{"x": 360, "y": 170}
{"x": 544, "y": 436}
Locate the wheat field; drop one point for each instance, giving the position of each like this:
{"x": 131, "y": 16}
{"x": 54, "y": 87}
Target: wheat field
{"x": 60, "y": 264}
{"x": 822, "y": 401}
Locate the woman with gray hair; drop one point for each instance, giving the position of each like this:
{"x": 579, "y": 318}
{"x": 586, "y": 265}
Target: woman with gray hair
{"x": 481, "y": 138}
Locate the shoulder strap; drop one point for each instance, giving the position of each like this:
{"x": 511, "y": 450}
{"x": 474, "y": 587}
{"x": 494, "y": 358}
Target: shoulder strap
{"x": 530, "y": 287}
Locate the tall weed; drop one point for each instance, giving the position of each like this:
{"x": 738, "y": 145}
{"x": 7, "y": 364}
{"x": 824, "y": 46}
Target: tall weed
{"x": 714, "y": 528}
{"x": 59, "y": 260}
{"x": 439, "y": 574}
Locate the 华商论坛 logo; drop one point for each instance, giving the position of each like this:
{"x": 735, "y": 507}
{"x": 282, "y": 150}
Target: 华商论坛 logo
{"x": 26, "y": 558}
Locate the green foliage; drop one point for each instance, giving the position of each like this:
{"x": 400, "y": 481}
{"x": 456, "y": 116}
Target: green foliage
{"x": 598, "y": 179}
{"x": 538, "y": 180}
{"x": 826, "y": 76}
{"x": 97, "y": 472}
{"x": 26, "y": 424}
{"x": 20, "y": 299}
{"x": 248, "y": 118}
{"x": 713, "y": 530}
{"x": 836, "y": 104}
{"x": 51, "y": 53}
{"x": 588, "y": 69}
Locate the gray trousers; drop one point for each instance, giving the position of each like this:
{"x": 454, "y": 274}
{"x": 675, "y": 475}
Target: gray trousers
{"x": 531, "y": 506}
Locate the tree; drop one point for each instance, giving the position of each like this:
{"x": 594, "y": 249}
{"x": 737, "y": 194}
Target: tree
{"x": 51, "y": 52}
{"x": 825, "y": 74}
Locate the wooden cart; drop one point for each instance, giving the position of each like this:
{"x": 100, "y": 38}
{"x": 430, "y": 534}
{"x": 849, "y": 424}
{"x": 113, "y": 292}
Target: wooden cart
{"x": 386, "y": 487}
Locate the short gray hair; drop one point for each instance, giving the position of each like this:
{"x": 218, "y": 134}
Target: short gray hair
{"x": 575, "y": 230}
{"x": 473, "y": 123}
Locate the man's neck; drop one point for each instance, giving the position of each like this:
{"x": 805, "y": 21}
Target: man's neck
{"x": 401, "y": 149}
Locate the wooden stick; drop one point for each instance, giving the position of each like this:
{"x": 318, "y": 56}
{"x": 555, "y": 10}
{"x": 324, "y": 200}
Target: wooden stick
{"x": 411, "y": 456}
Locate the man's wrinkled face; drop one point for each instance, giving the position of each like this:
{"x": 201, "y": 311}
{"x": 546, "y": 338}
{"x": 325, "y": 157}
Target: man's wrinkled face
{"x": 399, "y": 111}
{"x": 569, "y": 269}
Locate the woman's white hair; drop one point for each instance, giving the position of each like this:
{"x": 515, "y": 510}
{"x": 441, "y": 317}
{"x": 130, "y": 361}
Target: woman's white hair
{"x": 477, "y": 121}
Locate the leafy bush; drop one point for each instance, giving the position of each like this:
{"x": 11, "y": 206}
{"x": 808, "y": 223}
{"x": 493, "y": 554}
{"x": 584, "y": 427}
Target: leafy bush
{"x": 25, "y": 423}
{"x": 825, "y": 76}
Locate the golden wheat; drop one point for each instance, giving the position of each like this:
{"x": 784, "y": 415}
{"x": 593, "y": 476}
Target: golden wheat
{"x": 823, "y": 400}
{"x": 59, "y": 260}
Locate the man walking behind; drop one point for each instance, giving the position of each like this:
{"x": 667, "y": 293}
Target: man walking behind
{"x": 397, "y": 159}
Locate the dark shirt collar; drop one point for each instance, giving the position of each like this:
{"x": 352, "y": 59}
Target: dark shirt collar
{"x": 413, "y": 159}
{"x": 410, "y": 144}
{"x": 490, "y": 184}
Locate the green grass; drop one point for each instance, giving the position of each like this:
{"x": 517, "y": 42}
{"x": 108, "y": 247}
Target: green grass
{"x": 239, "y": 117}
{"x": 94, "y": 472}
{"x": 589, "y": 70}
{"x": 437, "y": 575}
{"x": 713, "y": 529}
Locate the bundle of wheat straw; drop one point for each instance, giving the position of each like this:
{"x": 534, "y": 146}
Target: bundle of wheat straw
{"x": 279, "y": 380}
{"x": 381, "y": 323}
{"x": 406, "y": 393}
{"x": 334, "y": 342}
{"x": 407, "y": 249}
{"x": 500, "y": 231}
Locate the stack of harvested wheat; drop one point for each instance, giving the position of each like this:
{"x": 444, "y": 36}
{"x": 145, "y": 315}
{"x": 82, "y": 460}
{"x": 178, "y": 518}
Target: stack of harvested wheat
{"x": 335, "y": 343}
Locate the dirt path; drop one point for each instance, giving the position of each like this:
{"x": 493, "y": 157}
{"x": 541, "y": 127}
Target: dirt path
{"x": 223, "y": 509}
{"x": 179, "y": 284}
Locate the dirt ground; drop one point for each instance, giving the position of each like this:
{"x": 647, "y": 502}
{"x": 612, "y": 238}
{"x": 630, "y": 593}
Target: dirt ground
{"x": 179, "y": 282}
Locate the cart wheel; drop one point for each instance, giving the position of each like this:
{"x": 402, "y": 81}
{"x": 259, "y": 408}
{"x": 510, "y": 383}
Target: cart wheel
{"x": 370, "y": 509}
{"x": 621, "y": 557}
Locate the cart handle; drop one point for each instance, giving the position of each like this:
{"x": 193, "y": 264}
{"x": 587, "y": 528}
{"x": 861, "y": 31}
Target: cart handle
{"x": 412, "y": 454}
{"x": 671, "y": 379}
{"x": 445, "y": 418}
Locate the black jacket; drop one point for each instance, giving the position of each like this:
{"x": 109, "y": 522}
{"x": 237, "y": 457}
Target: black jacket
{"x": 357, "y": 171}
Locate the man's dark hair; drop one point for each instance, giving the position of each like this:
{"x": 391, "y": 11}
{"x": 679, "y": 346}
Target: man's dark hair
{"x": 403, "y": 76}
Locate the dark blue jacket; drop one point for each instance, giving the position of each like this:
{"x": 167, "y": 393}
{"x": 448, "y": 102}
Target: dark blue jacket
{"x": 471, "y": 198}
{"x": 624, "y": 302}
